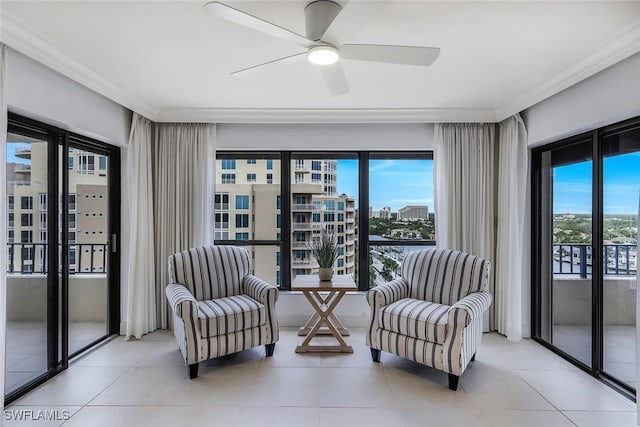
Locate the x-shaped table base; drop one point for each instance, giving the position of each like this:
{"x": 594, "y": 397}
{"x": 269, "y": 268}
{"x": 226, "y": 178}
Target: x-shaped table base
{"x": 324, "y": 322}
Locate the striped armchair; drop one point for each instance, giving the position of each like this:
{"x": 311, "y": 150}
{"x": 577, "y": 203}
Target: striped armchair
{"x": 433, "y": 313}
{"x": 218, "y": 307}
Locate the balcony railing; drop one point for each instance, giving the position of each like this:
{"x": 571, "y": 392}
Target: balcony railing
{"x": 301, "y": 207}
{"x": 305, "y": 226}
{"x": 619, "y": 259}
{"x": 31, "y": 258}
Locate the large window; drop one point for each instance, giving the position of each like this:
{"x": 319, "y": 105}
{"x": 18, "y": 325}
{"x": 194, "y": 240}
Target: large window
{"x": 324, "y": 194}
{"x": 585, "y": 208}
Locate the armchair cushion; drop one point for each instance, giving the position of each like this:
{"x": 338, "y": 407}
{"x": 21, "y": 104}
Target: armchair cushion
{"x": 229, "y": 314}
{"x": 415, "y": 318}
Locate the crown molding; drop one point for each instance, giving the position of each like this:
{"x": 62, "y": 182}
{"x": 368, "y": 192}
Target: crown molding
{"x": 621, "y": 48}
{"x": 29, "y": 42}
{"x": 342, "y": 115}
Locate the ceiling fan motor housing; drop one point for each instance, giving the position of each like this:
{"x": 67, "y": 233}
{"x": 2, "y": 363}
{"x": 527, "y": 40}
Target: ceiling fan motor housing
{"x": 318, "y": 16}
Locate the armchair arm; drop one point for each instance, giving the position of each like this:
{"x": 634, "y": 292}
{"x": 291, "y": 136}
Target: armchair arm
{"x": 464, "y": 331}
{"x": 377, "y": 298}
{"x": 387, "y": 293}
{"x": 260, "y": 290}
{"x": 186, "y": 327}
{"x": 469, "y": 308}
{"x": 267, "y": 295}
{"x": 181, "y": 301}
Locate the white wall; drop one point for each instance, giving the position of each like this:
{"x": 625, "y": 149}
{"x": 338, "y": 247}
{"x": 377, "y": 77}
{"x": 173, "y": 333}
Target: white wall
{"x": 608, "y": 97}
{"x": 40, "y": 93}
{"x": 341, "y": 137}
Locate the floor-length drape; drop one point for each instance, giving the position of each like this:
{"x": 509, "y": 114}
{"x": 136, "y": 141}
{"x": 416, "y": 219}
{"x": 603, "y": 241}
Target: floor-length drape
{"x": 181, "y": 188}
{"x": 464, "y": 182}
{"x": 509, "y": 269}
{"x": 141, "y": 278}
{"x": 3, "y": 214}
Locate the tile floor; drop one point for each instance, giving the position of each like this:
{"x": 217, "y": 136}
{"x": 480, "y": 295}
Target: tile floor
{"x": 26, "y": 348}
{"x": 619, "y": 347}
{"x": 145, "y": 383}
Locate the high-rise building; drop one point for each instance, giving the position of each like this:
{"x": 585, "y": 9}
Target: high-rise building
{"x": 413, "y": 212}
{"x": 248, "y": 194}
{"x": 27, "y": 211}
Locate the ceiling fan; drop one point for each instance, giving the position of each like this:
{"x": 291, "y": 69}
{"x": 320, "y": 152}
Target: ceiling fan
{"x": 327, "y": 24}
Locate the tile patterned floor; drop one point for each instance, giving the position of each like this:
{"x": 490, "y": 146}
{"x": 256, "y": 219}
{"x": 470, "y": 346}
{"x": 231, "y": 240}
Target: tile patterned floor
{"x": 26, "y": 351}
{"x": 145, "y": 383}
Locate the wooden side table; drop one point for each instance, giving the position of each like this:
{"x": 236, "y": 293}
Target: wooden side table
{"x": 323, "y": 321}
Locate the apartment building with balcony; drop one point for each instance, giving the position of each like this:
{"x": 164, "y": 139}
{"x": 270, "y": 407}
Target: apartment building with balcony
{"x": 247, "y": 188}
{"x": 28, "y": 211}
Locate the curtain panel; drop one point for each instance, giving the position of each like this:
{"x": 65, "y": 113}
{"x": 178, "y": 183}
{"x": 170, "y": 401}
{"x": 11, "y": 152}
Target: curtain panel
{"x": 511, "y": 272}
{"x": 3, "y": 213}
{"x": 141, "y": 277}
{"x": 480, "y": 180}
{"x": 464, "y": 188}
{"x": 182, "y": 185}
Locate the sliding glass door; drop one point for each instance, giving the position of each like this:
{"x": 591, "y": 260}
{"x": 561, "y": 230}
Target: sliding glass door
{"x": 566, "y": 244}
{"x": 62, "y": 269}
{"x": 28, "y": 307}
{"x": 586, "y": 191}
{"x": 621, "y": 184}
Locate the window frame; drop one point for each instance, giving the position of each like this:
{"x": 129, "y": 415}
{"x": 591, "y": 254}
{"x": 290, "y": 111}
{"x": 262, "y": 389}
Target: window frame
{"x": 287, "y": 179}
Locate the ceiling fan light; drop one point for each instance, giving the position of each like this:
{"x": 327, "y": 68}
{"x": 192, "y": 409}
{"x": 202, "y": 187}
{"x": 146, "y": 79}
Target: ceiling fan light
{"x": 323, "y": 55}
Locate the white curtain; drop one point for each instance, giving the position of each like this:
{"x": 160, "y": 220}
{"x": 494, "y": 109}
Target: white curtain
{"x": 464, "y": 164}
{"x": 509, "y": 270}
{"x": 182, "y": 187}
{"x": 141, "y": 302}
{"x": 3, "y": 214}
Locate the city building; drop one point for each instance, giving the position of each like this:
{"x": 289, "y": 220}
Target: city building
{"x": 384, "y": 213}
{"x": 413, "y": 212}
{"x": 27, "y": 211}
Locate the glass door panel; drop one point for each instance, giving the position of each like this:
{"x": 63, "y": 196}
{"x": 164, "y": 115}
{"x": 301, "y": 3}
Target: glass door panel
{"x": 86, "y": 228}
{"x": 621, "y": 183}
{"x": 566, "y": 242}
{"x": 26, "y": 222}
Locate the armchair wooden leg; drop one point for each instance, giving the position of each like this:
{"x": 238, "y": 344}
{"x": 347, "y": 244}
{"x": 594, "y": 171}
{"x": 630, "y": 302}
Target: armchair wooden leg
{"x": 453, "y": 382}
{"x": 375, "y": 354}
{"x": 193, "y": 370}
{"x": 473, "y": 358}
{"x": 268, "y": 349}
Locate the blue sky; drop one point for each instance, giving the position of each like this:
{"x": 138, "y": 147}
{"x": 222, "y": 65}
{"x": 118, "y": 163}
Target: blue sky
{"x": 394, "y": 183}
{"x": 572, "y": 186}
{"x": 11, "y": 149}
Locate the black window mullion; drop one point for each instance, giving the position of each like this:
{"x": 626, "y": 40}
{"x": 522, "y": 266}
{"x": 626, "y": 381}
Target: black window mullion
{"x": 285, "y": 226}
{"x": 597, "y": 278}
{"x": 64, "y": 261}
{"x": 363, "y": 221}
{"x": 53, "y": 292}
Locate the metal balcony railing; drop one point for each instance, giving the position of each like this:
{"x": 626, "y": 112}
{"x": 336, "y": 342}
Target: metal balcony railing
{"x": 31, "y": 258}
{"x": 618, "y": 259}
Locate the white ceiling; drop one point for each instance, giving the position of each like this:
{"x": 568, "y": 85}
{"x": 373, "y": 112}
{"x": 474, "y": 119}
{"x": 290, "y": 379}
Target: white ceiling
{"x": 171, "y": 61}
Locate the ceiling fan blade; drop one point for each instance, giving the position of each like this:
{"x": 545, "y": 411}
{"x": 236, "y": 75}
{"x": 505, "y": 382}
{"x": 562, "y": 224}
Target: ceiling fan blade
{"x": 335, "y": 79}
{"x": 408, "y": 55}
{"x": 351, "y": 19}
{"x": 228, "y": 13}
{"x": 253, "y": 67}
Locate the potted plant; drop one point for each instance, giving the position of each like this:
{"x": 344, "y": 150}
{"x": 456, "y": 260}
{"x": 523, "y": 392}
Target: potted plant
{"x": 325, "y": 251}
